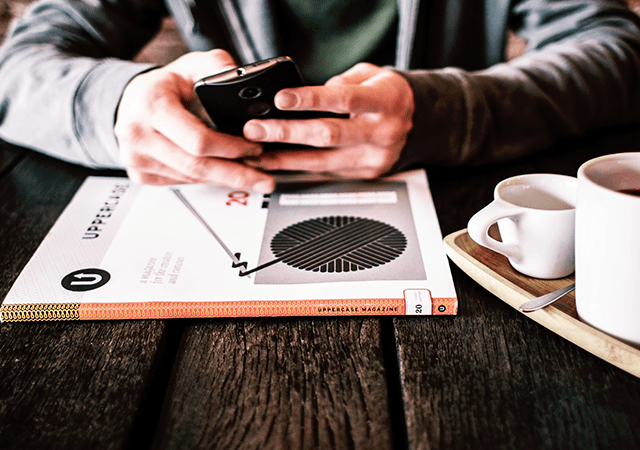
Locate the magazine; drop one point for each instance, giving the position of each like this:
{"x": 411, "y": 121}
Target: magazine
{"x": 312, "y": 248}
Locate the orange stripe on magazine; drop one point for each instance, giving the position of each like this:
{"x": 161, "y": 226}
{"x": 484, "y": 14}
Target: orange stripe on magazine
{"x": 168, "y": 310}
{"x": 444, "y": 306}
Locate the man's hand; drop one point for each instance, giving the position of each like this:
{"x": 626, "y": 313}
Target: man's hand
{"x": 163, "y": 136}
{"x": 380, "y": 106}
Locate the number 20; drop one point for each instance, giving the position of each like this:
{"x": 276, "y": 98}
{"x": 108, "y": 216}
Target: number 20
{"x": 240, "y": 197}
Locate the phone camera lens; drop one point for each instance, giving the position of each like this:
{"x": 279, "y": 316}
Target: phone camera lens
{"x": 250, "y": 92}
{"x": 259, "y": 109}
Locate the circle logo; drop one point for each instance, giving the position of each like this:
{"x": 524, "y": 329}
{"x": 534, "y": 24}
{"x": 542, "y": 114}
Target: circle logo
{"x": 85, "y": 280}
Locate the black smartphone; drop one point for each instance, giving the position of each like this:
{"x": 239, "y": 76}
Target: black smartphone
{"x": 233, "y": 97}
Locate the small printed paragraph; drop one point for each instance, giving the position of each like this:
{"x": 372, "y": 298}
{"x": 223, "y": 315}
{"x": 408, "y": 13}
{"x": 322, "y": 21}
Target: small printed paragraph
{"x": 164, "y": 270}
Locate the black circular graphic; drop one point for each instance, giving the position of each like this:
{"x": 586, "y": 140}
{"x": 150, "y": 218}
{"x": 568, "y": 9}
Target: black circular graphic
{"x": 338, "y": 244}
{"x": 85, "y": 280}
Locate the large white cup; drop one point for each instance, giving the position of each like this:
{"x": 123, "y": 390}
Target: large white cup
{"x": 536, "y": 219}
{"x": 608, "y": 245}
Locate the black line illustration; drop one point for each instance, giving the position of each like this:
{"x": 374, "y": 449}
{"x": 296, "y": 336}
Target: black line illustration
{"x": 334, "y": 243}
{"x": 236, "y": 262}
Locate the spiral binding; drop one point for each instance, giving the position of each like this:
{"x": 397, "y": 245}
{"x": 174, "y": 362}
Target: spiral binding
{"x": 39, "y": 312}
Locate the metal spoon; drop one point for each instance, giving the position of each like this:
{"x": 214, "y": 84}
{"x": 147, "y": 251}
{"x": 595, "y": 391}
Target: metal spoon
{"x": 547, "y": 299}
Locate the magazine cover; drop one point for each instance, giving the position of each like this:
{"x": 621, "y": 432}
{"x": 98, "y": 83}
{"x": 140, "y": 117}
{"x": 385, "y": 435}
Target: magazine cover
{"x": 315, "y": 247}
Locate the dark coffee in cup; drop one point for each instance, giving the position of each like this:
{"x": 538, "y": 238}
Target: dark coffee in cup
{"x": 634, "y": 191}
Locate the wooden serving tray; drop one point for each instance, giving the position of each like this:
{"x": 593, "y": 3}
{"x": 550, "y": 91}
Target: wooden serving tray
{"x": 493, "y": 272}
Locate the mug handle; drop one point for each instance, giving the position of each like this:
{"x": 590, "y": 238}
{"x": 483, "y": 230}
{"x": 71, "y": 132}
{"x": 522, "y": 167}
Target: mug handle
{"x": 479, "y": 224}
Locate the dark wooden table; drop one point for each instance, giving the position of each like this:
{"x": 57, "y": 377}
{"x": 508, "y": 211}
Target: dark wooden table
{"x": 487, "y": 378}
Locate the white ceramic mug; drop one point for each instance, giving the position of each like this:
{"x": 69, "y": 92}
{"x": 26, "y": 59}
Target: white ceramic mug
{"x": 536, "y": 218}
{"x": 608, "y": 245}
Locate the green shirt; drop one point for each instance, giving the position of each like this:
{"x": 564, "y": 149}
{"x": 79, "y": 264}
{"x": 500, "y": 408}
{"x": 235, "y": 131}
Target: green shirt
{"x": 326, "y": 38}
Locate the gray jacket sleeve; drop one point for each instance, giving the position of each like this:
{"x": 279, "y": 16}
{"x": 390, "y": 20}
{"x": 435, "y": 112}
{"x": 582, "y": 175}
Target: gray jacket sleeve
{"x": 581, "y": 72}
{"x": 63, "y": 68}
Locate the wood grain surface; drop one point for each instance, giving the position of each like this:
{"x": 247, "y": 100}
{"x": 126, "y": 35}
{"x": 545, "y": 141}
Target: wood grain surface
{"x": 278, "y": 383}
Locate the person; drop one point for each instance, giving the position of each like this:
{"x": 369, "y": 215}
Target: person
{"x": 422, "y": 82}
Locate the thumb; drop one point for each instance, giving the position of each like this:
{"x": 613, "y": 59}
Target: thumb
{"x": 196, "y": 65}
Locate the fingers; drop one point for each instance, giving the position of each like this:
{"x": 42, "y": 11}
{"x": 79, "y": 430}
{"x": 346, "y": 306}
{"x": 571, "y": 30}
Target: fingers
{"x": 163, "y": 142}
{"x": 372, "y": 129}
{"x": 162, "y": 175}
{"x": 167, "y": 164}
{"x": 380, "y": 112}
{"x": 356, "y": 75}
{"x": 196, "y": 65}
{"x": 343, "y": 99}
{"x": 152, "y": 103}
{"x": 362, "y": 91}
{"x": 191, "y": 134}
{"x": 379, "y": 104}
{"x": 153, "y": 179}
{"x": 364, "y": 161}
